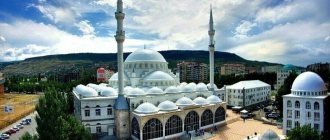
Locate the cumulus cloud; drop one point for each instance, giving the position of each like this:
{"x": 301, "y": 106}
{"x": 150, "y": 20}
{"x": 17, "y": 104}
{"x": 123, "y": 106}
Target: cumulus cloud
{"x": 2, "y": 39}
{"x": 242, "y": 30}
{"x": 57, "y": 14}
{"x": 85, "y": 27}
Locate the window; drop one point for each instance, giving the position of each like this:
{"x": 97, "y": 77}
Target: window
{"x": 135, "y": 128}
{"x": 173, "y": 125}
{"x": 87, "y": 113}
{"x": 297, "y": 104}
{"x": 308, "y": 105}
{"x": 152, "y": 129}
{"x": 297, "y": 114}
{"x": 316, "y": 126}
{"x": 289, "y": 104}
{"x": 109, "y": 111}
{"x": 98, "y": 129}
{"x": 309, "y": 116}
{"x": 289, "y": 114}
{"x": 289, "y": 124}
{"x": 316, "y": 106}
{"x": 98, "y": 112}
{"x": 296, "y": 124}
{"x": 316, "y": 116}
{"x": 219, "y": 115}
{"x": 207, "y": 118}
{"x": 191, "y": 122}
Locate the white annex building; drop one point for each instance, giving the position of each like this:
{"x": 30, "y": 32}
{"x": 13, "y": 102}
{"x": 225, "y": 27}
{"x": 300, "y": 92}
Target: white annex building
{"x": 145, "y": 100}
{"x": 256, "y": 92}
{"x": 307, "y": 104}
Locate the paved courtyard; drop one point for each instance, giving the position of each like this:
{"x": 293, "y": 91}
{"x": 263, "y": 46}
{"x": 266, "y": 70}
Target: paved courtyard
{"x": 239, "y": 130}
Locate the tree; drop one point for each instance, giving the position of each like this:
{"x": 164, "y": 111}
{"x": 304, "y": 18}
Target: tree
{"x": 28, "y": 136}
{"x": 54, "y": 119}
{"x": 284, "y": 89}
{"x": 305, "y": 132}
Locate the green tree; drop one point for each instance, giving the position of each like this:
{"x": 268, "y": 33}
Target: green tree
{"x": 54, "y": 119}
{"x": 28, "y": 136}
{"x": 284, "y": 89}
{"x": 305, "y": 132}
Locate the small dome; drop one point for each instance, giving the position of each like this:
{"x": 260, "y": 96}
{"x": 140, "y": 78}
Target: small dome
{"x": 201, "y": 87}
{"x": 159, "y": 75}
{"x": 85, "y": 91}
{"x": 191, "y": 87}
{"x": 184, "y": 101}
{"x": 209, "y": 86}
{"x": 172, "y": 89}
{"x": 108, "y": 91}
{"x": 145, "y": 55}
{"x": 136, "y": 92}
{"x": 146, "y": 108}
{"x": 127, "y": 89}
{"x": 183, "y": 84}
{"x": 114, "y": 77}
{"x": 167, "y": 106}
{"x": 103, "y": 84}
{"x": 95, "y": 87}
{"x": 201, "y": 101}
{"x": 155, "y": 91}
{"x": 213, "y": 99}
{"x": 269, "y": 135}
{"x": 308, "y": 81}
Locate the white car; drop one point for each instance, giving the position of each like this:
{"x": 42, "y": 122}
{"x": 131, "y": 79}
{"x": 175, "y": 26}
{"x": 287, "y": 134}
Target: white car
{"x": 4, "y": 136}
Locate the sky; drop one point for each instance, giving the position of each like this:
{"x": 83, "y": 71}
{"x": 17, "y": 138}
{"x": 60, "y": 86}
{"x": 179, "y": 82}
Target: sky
{"x": 281, "y": 31}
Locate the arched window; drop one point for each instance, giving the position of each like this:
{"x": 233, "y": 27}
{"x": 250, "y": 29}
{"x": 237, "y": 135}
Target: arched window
{"x": 191, "y": 122}
{"x": 220, "y": 114}
{"x": 316, "y": 106}
{"x": 289, "y": 104}
{"x": 297, "y": 104}
{"x": 173, "y": 125}
{"x": 135, "y": 128}
{"x": 308, "y": 105}
{"x": 207, "y": 117}
{"x": 152, "y": 129}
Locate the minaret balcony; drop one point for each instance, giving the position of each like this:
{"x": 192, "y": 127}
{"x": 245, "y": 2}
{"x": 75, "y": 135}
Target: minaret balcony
{"x": 120, "y": 38}
{"x": 211, "y": 47}
{"x": 211, "y": 32}
{"x": 119, "y": 15}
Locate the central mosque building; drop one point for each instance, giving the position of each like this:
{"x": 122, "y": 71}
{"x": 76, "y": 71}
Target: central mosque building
{"x": 145, "y": 99}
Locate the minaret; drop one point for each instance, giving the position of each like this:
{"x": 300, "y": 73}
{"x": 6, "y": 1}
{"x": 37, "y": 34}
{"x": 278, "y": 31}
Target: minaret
{"x": 122, "y": 122}
{"x": 211, "y": 33}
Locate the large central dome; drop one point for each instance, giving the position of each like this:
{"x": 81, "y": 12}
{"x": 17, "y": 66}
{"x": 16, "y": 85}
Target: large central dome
{"x": 145, "y": 55}
{"x": 308, "y": 81}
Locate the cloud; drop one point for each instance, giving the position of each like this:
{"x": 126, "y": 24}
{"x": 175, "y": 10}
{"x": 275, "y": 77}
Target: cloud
{"x": 327, "y": 38}
{"x": 2, "y": 39}
{"x": 85, "y": 27}
{"x": 57, "y": 14}
{"x": 242, "y": 30}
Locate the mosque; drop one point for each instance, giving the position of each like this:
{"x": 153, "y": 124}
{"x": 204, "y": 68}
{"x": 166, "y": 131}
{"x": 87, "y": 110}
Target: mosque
{"x": 145, "y": 99}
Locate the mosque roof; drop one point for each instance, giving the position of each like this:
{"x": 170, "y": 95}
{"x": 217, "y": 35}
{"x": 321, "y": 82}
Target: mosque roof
{"x": 158, "y": 75}
{"x": 213, "y": 99}
{"x": 172, "y": 89}
{"x": 155, "y": 91}
{"x": 209, "y": 86}
{"x": 146, "y": 108}
{"x": 269, "y": 135}
{"x": 109, "y": 91}
{"x": 85, "y": 91}
{"x": 248, "y": 84}
{"x": 308, "y": 81}
{"x": 201, "y": 101}
{"x": 201, "y": 87}
{"x": 147, "y": 55}
{"x": 184, "y": 101}
{"x": 167, "y": 106}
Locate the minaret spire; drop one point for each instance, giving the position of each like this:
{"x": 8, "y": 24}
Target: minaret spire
{"x": 211, "y": 33}
{"x": 121, "y": 106}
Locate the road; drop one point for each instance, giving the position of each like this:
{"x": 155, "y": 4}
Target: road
{"x": 27, "y": 128}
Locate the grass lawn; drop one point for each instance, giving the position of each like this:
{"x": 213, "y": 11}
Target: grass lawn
{"x": 22, "y": 104}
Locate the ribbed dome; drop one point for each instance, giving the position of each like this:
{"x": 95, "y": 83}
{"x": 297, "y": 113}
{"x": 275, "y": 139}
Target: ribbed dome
{"x": 172, "y": 89}
{"x": 201, "y": 87}
{"x": 155, "y": 91}
{"x": 213, "y": 99}
{"x": 184, "y": 101}
{"x": 269, "y": 135}
{"x": 201, "y": 101}
{"x": 114, "y": 77}
{"x": 209, "y": 86}
{"x": 108, "y": 91}
{"x": 158, "y": 75}
{"x": 145, "y": 55}
{"x": 191, "y": 87}
{"x": 85, "y": 91}
{"x": 146, "y": 108}
{"x": 136, "y": 92}
{"x": 308, "y": 81}
{"x": 167, "y": 106}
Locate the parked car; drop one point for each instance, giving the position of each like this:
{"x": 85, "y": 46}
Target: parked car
{"x": 5, "y": 136}
{"x": 12, "y": 131}
{"x": 26, "y": 121}
{"x": 20, "y": 126}
{"x": 273, "y": 115}
{"x": 15, "y": 128}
